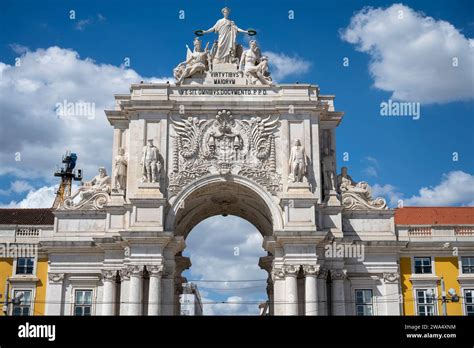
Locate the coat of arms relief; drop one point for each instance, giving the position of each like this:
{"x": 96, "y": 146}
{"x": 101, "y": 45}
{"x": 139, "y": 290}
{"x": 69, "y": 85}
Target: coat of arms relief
{"x": 224, "y": 145}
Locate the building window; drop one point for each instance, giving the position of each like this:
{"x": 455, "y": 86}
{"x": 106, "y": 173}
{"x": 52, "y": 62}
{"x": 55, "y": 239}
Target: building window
{"x": 423, "y": 265}
{"x": 425, "y": 302}
{"x": 24, "y": 265}
{"x": 83, "y": 303}
{"x": 469, "y": 301}
{"x": 21, "y": 302}
{"x": 363, "y": 302}
{"x": 467, "y": 264}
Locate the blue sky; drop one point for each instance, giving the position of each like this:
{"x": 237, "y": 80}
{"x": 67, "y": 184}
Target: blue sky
{"x": 400, "y": 157}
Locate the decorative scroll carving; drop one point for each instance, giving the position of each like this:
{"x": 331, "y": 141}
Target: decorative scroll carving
{"x": 225, "y": 145}
{"x": 124, "y": 274}
{"x": 56, "y": 277}
{"x": 278, "y": 273}
{"x": 109, "y": 275}
{"x": 311, "y": 270}
{"x": 338, "y": 274}
{"x": 391, "y": 277}
{"x": 155, "y": 270}
{"x": 94, "y": 194}
{"x": 357, "y": 196}
{"x": 95, "y": 202}
{"x": 291, "y": 270}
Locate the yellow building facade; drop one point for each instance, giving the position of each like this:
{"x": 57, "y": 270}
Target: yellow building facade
{"x": 23, "y": 268}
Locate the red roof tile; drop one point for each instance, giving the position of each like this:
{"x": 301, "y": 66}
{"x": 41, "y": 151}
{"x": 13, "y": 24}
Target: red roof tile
{"x": 20, "y": 216}
{"x": 434, "y": 216}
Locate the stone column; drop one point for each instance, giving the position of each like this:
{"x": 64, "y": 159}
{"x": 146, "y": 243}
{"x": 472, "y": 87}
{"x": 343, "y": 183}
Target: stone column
{"x": 135, "y": 292}
{"x": 392, "y": 293}
{"x": 108, "y": 296}
{"x": 291, "y": 289}
{"x": 168, "y": 294}
{"x": 311, "y": 294}
{"x": 54, "y": 295}
{"x": 338, "y": 297}
{"x": 124, "y": 290}
{"x": 321, "y": 292}
{"x": 278, "y": 277}
{"x": 154, "y": 292}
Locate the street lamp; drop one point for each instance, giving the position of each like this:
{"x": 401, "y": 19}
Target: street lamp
{"x": 453, "y": 297}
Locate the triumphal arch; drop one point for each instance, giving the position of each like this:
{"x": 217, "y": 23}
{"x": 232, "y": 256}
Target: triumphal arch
{"x": 224, "y": 138}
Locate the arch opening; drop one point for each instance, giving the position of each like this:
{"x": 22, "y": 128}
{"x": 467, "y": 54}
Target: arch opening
{"x": 224, "y": 253}
{"x": 223, "y": 197}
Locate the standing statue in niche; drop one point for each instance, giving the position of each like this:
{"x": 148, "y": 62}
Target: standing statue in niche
{"x": 227, "y": 32}
{"x": 254, "y": 65}
{"x": 298, "y": 162}
{"x": 120, "y": 170}
{"x": 151, "y": 163}
{"x": 328, "y": 171}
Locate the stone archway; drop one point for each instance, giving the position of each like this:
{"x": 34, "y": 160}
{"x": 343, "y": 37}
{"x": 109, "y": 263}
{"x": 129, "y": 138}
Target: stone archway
{"x": 215, "y": 195}
{"x": 222, "y": 195}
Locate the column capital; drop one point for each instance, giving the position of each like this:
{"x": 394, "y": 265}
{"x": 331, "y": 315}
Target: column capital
{"x": 311, "y": 270}
{"x": 338, "y": 274}
{"x": 109, "y": 275}
{"x": 56, "y": 277}
{"x": 322, "y": 273}
{"x": 124, "y": 274}
{"x": 155, "y": 270}
{"x": 291, "y": 270}
{"x": 135, "y": 270}
{"x": 277, "y": 273}
{"x": 391, "y": 277}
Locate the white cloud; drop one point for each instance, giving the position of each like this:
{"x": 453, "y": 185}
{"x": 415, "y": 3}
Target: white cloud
{"x": 389, "y": 192}
{"x": 83, "y": 23}
{"x": 455, "y": 189}
{"x": 227, "y": 249}
{"x": 412, "y": 54}
{"x": 18, "y": 49}
{"x": 282, "y": 65}
{"x": 40, "y": 198}
{"x": 372, "y": 166}
{"x": 233, "y": 305}
{"x": 31, "y": 128}
{"x": 17, "y": 186}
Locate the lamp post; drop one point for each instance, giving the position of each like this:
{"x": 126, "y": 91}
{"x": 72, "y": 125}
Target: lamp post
{"x": 444, "y": 298}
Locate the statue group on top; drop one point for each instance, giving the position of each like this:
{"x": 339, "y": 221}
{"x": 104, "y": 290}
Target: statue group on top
{"x": 225, "y": 50}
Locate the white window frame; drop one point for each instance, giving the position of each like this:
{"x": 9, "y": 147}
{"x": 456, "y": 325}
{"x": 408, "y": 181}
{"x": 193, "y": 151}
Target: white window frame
{"x": 15, "y": 264}
{"x": 75, "y": 290}
{"x": 463, "y": 294}
{"x": 460, "y": 264}
{"x": 32, "y": 299}
{"x": 433, "y": 271}
{"x": 372, "y": 304}
{"x": 435, "y": 298}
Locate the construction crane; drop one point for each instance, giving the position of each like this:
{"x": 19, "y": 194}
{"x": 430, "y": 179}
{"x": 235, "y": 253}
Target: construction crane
{"x": 67, "y": 175}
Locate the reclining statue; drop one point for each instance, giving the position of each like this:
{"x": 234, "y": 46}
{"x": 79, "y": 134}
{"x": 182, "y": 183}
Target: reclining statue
{"x": 196, "y": 62}
{"x": 101, "y": 183}
{"x": 357, "y": 195}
